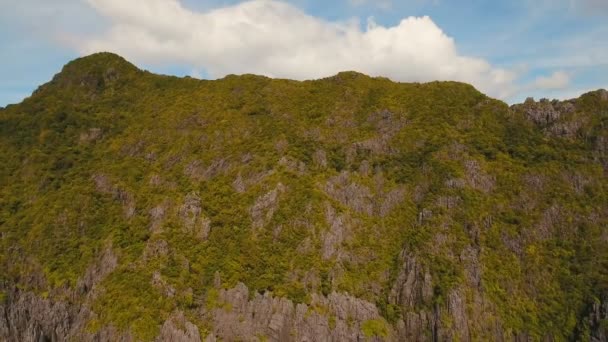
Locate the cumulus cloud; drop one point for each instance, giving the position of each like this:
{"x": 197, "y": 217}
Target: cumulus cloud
{"x": 557, "y": 80}
{"x": 276, "y": 39}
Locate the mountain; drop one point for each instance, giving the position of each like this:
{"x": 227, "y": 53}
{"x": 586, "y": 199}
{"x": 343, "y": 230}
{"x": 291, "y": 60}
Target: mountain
{"x": 136, "y": 206}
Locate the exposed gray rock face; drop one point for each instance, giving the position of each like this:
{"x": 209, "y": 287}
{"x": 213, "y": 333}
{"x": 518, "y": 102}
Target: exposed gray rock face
{"x": 337, "y": 317}
{"x": 157, "y": 215}
{"x": 158, "y": 282}
{"x": 127, "y": 200}
{"x": 281, "y": 145}
{"x": 198, "y": 172}
{"x": 448, "y": 202}
{"x": 477, "y": 178}
{"x": 244, "y": 181}
{"x": 413, "y": 287}
{"x": 424, "y": 215}
{"x": 239, "y": 184}
{"x": 353, "y": 195}
{"x": 455, "y": 183}
{"x": 293, "y": 165}
{"x": 104, "y": 185}
{"x": 469, "y": 258}
{"x": 361, "y": 198}
{"x": 545, "y": 112}
{"x": 598, "y": 319}
{"x": 194, "y": 221}
{"x": 376, "y": 145}
{"x": 319, "y": 158}
{"x": 456, "y": 318}
{"x": 155, "y": 248}
{"x": 178, "y": 329}
{"x": 27, "y": 317}
{"x": 390, "y": 200}
{"x": 264, "y": 207}
{"x": 386, "y": 124}
{"x": 190, "y": 210}
{"x": 551, "y": 220}
{"x": 205, "y": 229}
{"x": 340, "y": 226}
{"x": 567, "y": 128}
{"x": 91, "y": 135}
{"x": 413, "y": 290}
{"x": 559, "y": 118}
{"x": 156, "y": 180}
{"x": 96, "y": 272}
{"x": 236, "y": 315}
{"x": 601, "y": 152}
{"x": 365, "y": 168}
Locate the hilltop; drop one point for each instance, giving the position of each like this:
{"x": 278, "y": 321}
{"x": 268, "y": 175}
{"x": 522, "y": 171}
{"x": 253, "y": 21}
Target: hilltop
{"x": 136, "y": 206}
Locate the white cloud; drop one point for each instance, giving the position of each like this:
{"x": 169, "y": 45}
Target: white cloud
{"x": 277, "y": 39}
{"x": 383, "y": 4}
{"x": 557, "y": 80}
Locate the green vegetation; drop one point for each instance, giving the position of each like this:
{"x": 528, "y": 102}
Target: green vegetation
{"x": 375, "y": 328}
{"x": 107, "y": 155}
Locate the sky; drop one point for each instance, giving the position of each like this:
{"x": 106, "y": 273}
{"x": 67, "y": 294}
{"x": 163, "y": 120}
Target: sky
{"x": 507, "y": 49}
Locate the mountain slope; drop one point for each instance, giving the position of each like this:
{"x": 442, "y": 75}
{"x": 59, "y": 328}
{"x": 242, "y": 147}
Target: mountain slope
{"x": 136, "y": 206}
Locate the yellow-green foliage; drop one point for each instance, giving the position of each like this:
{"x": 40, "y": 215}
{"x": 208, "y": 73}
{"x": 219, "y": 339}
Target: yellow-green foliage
{"x": 196, "y": 136}
{"x": 375, "y": 328}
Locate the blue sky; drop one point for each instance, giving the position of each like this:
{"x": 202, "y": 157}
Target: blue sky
{"x": 508, "y": 49}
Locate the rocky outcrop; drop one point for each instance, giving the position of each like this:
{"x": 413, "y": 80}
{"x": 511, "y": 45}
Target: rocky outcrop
{"x": 569, "y": 119}
{"x": 378, "y": 211}
{"x": 598, "y": 320}
{"x": 99, "y": 270}
{"x": 264, "y": 207}
{"x": 90, "y": 136}
{"x": 104, "y": 185}
{"x": 319, "y": 158}
{"x": 477, "y": 178}
{"x": 423, "y": 318}
{"x": 157, "y": 214}
{"x": 244, "y": 181}
{"x": 192, "y": 218}
{"x": 351, "y": 194}
{"x": 413, "y": 287}
{"x": 545, "y": 112}
{"x": 198, "y": 172}
{"x": 340, "y": 228}
{"x": 178, "y": 329}
{"x": 386, "y": 125}
{"x": 293, "y": 165}
{"x": 337, "y": 317}
{"x": 26, "y": 317}
{"x": 235, "y": 314}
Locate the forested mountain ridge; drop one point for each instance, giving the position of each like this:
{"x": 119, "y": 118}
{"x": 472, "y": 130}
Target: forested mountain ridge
{"x": 136, "y": 206}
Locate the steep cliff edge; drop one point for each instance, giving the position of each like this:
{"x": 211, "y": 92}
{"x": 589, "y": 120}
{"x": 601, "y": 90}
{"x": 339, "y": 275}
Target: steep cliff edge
{"x": 136, "y": 206}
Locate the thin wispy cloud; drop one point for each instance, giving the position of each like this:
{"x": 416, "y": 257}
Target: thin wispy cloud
{"x": 384, "y": 4}
{"x": 596, "y": 6}
{"x": 557, "y": 80}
